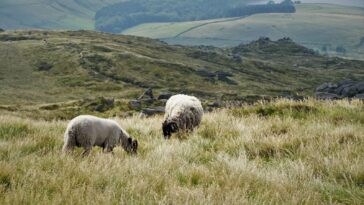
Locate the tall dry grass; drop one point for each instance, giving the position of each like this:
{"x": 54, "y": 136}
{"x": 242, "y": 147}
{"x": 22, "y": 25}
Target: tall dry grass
{"x": 271, "y": 153}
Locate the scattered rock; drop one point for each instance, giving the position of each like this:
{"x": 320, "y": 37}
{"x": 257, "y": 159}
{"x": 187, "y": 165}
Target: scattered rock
{"x": 135, "y": 104}
{"x": 163, "y": 101}
{"x": 359, "y": 87}
{"x": 147, "y": 94}
{"x": 327, "y": 96}
{"x": 100, "y": 108}
{"x": 214, "y": 104}
{"x": 44, "y": 66}
{"x": 263, "y": 40}
{"x": 223, "y": 74}
{"x": 285, "y": 39}
{"x": 109, "y": 102}
{"x": 153, "y": 111}
{"x": 164, "y": 96}
{"x": 50, "y": 107}
{"x": 295, "y": 97}
{"x": 345, "y": 82}
{"x": 205, "y": 73}
{"x": 326, "y": 87}
{"x": 100, "y": 104}
{"x": 147, "y": 101}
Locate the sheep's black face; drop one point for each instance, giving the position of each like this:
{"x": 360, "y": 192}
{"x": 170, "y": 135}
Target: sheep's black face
{"x": 131, "y": 146}
{"x": 169, "y": 128}
{"x": 166, "y": 132}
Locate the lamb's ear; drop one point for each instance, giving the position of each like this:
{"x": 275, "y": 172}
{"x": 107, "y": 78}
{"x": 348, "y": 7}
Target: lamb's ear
{"x": 130, "y": 140}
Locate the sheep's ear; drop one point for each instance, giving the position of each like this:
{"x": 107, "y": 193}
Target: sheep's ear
{"x": 174, "y": 126}
{"x": 121, "y": 134}
{"x": 165, "y": 128}
{"x": 130, "y": 140}
{"x": 135, "y": 144}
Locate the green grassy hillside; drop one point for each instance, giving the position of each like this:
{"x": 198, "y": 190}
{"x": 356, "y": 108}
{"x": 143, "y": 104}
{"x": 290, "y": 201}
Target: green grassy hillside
{"x": 50, "y": 14}
{"x": 322, "y": 27}
{"x": 46, "y": 67}
{"x": 296, "y": 153}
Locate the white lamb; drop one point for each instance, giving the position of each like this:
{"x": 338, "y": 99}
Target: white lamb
{"x": 88, "y": 131}
{"x": 183, "y": 113}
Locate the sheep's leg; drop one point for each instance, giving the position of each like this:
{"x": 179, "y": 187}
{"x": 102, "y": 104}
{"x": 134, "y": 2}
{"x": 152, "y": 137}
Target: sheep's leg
{"x": 70, "y": 141}
{"x": 67, "y": 149}
{"x": 104, "y": 147}
{"x": 109, "y": 150}
{"x": 86, "y": 152}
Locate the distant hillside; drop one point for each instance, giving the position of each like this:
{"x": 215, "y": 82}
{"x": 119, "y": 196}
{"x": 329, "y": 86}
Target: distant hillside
{"x": 50, "y": 14}
{"x": 331, "y": 29}
{"x": 120, "y": 16}
{"x": 359, "y": 3}
{"x": 110, "y": 15}
{"x": 42, "y": 67}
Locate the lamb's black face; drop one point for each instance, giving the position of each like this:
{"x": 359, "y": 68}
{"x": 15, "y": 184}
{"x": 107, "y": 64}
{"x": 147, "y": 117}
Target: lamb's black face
{"x": 169, "y": 128}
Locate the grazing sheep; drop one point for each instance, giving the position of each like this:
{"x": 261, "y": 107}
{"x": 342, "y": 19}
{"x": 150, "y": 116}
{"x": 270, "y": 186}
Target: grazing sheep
{"x": 88, "y": 131}
{"x": 183, "y": 113}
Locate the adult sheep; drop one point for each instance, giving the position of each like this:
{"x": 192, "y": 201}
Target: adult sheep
{"x": 183, "y": 113}
{"x": 87, "y": 131}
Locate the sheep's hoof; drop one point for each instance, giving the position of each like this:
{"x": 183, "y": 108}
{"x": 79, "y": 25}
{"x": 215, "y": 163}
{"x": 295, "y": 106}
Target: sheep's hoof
{"x": 86, "y": 152}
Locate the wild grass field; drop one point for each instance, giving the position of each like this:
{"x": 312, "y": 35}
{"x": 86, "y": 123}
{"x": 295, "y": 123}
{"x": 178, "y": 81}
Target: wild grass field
{"x": 282, "y": 152}
{"x": 322, "y": 27}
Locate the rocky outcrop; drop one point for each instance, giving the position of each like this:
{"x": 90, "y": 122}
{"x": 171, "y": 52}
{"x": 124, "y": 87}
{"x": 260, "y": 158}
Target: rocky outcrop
{"x": 343, "y": 89}
{"x": 148, "y": 105}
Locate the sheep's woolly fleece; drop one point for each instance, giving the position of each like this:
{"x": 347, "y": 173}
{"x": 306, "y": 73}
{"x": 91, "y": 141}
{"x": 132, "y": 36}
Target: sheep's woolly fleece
{"x": 87, "y": 131}
{"x": 186, "y": 111}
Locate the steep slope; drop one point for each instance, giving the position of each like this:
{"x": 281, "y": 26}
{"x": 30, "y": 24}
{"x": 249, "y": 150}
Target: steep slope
{"x": 331, "y": 29}
{"x": 50, "y": 14}
{"x": 39, "y": 67}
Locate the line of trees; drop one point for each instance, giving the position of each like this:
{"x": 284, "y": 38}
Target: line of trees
{"x": 286, "y": 6}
